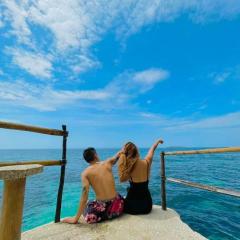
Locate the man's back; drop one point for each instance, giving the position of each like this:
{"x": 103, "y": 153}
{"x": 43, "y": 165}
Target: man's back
{"x": 101, "y": 179}
{"x": 109, "y": 203}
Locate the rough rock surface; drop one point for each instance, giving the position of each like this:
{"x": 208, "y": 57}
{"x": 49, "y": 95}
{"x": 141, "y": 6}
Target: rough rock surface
{"x": 155, "y": 226}
{"x": 19, "y": 171}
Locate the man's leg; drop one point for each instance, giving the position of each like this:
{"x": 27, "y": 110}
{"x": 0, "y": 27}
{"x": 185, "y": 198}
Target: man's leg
{"x": 95, "y": 212}
{"x": 115, "y": 208}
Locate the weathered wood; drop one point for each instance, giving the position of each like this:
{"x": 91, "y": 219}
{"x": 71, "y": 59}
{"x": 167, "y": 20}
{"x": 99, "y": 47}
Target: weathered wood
{"x": 62, "y": 176}
{"x": 163, "y": 182}
{"x": 43, "y": 163}
{"x": 12, "y": 209}
{"x": 205, "y": 187}
{"x": 205, "y": 151}
{"x": 35, "y": 129}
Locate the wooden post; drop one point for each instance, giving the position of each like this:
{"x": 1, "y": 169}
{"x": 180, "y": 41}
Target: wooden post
{"x": 62, "y": 176}
{"x": 13, "y": 199}
{"x": 163, "y": 182}
{"x": 12, "y": 209}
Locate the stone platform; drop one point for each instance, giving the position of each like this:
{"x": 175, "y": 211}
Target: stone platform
{"x": 159, "y": 225}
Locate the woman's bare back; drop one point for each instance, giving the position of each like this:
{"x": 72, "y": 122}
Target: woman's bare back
{"x": 140, "y": 172}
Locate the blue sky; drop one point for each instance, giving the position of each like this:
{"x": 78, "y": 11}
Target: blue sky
{"x": 114, "y": 71}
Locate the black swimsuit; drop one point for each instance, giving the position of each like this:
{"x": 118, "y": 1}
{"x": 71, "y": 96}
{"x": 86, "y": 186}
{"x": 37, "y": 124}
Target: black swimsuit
{"x": 138, "y": 200}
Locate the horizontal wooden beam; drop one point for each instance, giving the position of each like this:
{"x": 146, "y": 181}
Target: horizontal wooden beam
{"x": 35, "y": 129}
{"x": 43, "y": 163}
{"x": 205, "y": 187}
{"x": 206, "y": 151}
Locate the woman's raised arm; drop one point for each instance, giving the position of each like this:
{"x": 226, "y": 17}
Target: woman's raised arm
{"x": 151, "y": 151}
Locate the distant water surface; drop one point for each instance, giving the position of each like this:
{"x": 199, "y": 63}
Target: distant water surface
{"x": 214, "y": 216}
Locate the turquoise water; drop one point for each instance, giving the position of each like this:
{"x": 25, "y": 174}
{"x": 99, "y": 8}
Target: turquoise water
{"x": 214, "y": 216}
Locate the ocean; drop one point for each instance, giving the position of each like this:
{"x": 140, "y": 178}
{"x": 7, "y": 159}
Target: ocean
{"x": 213, "y": 215}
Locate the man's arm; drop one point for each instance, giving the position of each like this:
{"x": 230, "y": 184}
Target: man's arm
{"x": 82, "y": 203}
{"x": 113, "y": 160}
{"x": 151, "y": 151}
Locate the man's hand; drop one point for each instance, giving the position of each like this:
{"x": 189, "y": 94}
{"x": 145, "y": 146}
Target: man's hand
{"x": 114, "y": 159}
{"x": 71, "y": 220}
{"x": 118, "y": 154}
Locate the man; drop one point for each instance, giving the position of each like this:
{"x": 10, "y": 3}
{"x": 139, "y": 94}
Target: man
{"x": 108, "y": 203}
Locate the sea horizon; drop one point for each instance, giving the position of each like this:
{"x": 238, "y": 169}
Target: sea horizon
{"x": 110, "y": 148}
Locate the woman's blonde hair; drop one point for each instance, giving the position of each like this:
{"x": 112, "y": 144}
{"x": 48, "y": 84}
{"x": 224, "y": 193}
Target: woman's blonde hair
{"x": 127, "y": 161}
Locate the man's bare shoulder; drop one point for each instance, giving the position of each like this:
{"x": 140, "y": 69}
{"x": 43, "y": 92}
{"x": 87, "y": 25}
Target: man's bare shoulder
{"x": 85, "y": 172}
{"x": 90, "y": 169}
{"x": 107, "y": 163}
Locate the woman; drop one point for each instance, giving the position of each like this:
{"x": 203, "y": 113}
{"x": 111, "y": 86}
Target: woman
{"x": 131, "y": 168}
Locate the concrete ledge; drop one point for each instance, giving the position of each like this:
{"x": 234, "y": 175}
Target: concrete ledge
{"x": 159, "y": 225}
{"x": 19, "y": 171}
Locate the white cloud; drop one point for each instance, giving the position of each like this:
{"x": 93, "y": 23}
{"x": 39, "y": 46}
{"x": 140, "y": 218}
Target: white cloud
{"x": 147, "y": 115}
{"x": 220, "y": 77}
{"x": 150, "y": 77}
{"x": 231, "y": 73}
{"x": 229, "y": 120}
{"x": 68, "y": 21}
{"x": 84, "y": 63}
{"x": 34, "y": 63}
{"x": 129, "y": 84}
{"x": 77, "y": 25}
{"x": 175, "y": 124}
{"x": 45, "y": 98}
{"x": 1, "y": 19}
{"x": 17, "y": 15}
{"x": 147, "y": 12}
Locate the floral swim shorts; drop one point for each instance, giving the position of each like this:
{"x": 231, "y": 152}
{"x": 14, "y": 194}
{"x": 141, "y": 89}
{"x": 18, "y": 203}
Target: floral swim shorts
{"x": 97, "y": 211}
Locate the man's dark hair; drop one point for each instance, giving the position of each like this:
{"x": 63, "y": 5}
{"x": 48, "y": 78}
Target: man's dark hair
{"x": 89, "y": 154}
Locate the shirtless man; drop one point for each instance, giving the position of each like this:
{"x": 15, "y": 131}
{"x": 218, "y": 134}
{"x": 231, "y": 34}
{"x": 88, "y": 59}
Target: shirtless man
{"x": 108, "y": 203}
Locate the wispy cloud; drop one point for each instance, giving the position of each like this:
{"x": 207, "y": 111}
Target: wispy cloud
{"x": 83, "y": 63}
{"x": 46, "y": 98}
{"x": 43, "y": 97}
{"x": 229, "y": 120}
{"x": 219, "y": 78}
{"x": 231, "y": 73}
{"x": 150, "y": 77}
{"x": 1, "y": 19}
{"x": 146, "y": 12}
{"x": 166, "y": 123}
{"x": 34, "y": 63}
{"x": 130, "y": 84}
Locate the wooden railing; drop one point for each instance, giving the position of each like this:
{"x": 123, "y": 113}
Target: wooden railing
{"x": 62, "y": 162}
{"x": 192, "y": 184}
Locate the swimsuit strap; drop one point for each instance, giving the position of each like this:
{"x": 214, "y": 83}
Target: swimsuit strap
{"x": 147, "y": 169}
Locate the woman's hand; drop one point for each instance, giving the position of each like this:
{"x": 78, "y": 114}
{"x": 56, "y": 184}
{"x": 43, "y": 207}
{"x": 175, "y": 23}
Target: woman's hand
{"x": 160, "y": 141}
{"x": 71, "y": 220}
{"x": 152, "y": 150}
